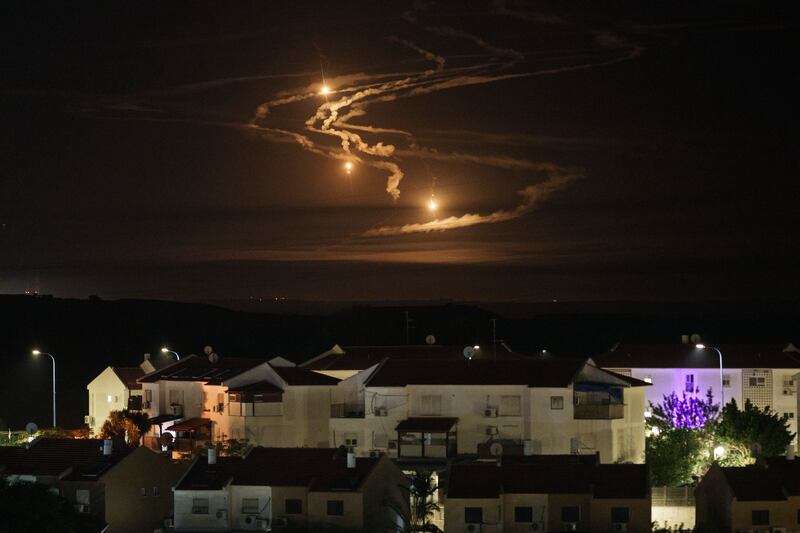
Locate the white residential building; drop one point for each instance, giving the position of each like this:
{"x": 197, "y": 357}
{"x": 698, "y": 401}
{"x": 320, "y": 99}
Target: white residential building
{"x": 435, "y": 409}
{"x": 114, "y": 389}
{"x": 765, "y": 374}
{"x": 197, "y": 400}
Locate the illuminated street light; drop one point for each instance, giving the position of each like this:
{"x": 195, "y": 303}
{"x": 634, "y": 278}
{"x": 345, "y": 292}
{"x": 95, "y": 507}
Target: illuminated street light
{"x": 325, "y": 91}
{"x": 721, "y": 384}
{"x": 719, "y": 451}
{"x": 37, "y": 353}
{"x": 167, "y": 350}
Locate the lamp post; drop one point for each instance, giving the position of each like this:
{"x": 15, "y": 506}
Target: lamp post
{"x": 167, "y": 350}
{"x": 37, "y": 352}
{"x": 721, "y": 384}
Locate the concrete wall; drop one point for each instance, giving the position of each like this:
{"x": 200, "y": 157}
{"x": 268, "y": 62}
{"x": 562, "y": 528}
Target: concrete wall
{"x": 353, "y": 517}
{"x": 217, "y": 499}
{"x": 237, "y": 494}
{"x": 781, "y": 514}
{"x": 713, "y": 500}
{"x": 639, "y": 514}
{"x": 126, "y": 509}
{"x": 537, "y": 501}
{"x": 279, "y": 497}
{"x": 383, "y": 496}
{"x": 454, "y": 514}
{"x": 106, "y": 386}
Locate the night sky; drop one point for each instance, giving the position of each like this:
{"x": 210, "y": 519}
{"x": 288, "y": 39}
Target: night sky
{"x": 640, "y": 150}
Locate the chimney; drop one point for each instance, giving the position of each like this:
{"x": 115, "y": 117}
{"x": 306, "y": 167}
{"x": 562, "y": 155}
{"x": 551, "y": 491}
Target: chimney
{"x": 684, "y": 339}
{"x": 107, "y": 447}
{"x": 212, "y": 456}
{"x": 790, "y": 452}
{"x": 147, "y": 357}
{"x": 351, "y": 459}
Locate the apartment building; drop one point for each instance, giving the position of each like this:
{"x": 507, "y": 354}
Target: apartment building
{"x": 116, "y": 388}
{"x": 75, "y": 468}
{"x": 761, "y": 373}
{"x": 197, "y": 400}
{"x": 547, "y": 493}
{"x": 432, "y": 410}
{"x": 750, "y": 499}
{"x": 290, "y": 488}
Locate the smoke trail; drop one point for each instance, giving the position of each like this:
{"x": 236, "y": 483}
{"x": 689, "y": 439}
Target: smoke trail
{"x": 531, "y": 196}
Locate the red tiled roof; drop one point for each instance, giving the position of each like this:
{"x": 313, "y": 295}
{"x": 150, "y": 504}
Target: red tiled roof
{"x": 429, "y": 424}
{"x": 194, "y": 368}
{"x": 319, "y": 469}
{"x": 362, "y": 357}
{"x": 544, "y": 373}
{"x": 52, "y": 457}
{"x": 688, "y": 356}
{"x": 547, "y": 474}
{"x": 779, "y": 479}
{"x": 301, "y": 376}
{"x": 128, "y": 375}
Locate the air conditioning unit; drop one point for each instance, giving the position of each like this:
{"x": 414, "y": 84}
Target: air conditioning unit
{"x": 88, "y": 420}
{"x": 262, "y": 525}
{"x": 619, "y": 527}
{"x": 491, "y": 430}
{"x": 176, "y": 409}
{"x": 374, "y": 453}
{"x": 280, "y": 522}
{"x": 381, "y": 411}
{"x": 169, "y": 524}
{"x": 537, "y": 526}
{"x": 490, "y": 412}
{"x": 222, "y": 514}
{"x": 570, "y": 526}
{"x": 473, "y": 528}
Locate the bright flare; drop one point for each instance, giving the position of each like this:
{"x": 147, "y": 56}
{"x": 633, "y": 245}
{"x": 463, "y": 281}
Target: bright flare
{"x": 348, "y": 167}
{"x": 432, "y": 205}
{"x": 325, "y": 91}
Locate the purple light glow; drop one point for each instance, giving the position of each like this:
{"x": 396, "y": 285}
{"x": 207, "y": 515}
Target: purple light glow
{"x": 689, "y": 412}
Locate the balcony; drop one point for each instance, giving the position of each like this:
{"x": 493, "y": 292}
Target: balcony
{"x": 347, "y": 410}
{"x": 599, "y": 411}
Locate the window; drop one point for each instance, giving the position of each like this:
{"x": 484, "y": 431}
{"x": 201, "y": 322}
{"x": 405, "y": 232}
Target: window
{"x": 431, "y": 404}
{"x": 293, "y": 506}
{"x": 689, "y": 383}
{"x": 199, "y": 505}
{"x": 351, "y": 439}
{"x": 726, "y": 381}
{"x": 798, "y": 516}
{"x": 620, "y": 515}
{"x": 143, "y": 491}
{"x": 556, "y": 402}
{"x": 788, "y": 381}
{"x": 380, "y": 440}
{"x": 156, "y": 491}
{"x": 335, "y": 508}
{"x": 789, "y": 415}
{"x": 523, "y": 514}
{"x": 760, "y": 518}
{"x": 757, "y": 381}
{"x": 571, "y": 514}
{"x": 250, "y": 506}
{"x": 111, "y": 398}
{"x": 473, "y": 515}
{"x": 82, "y": 496}
{"x": 509, "y": 405}
{"x": 148, "y": 395}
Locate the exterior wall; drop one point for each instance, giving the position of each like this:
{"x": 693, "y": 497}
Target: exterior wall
{"x": 126, "y": 509}
{"x": 382, "y": 494}
{"x": 454, "y": 514}
{"x": 639, "y": 509}
{"x": 556, "y": 501}
{"x": 713, "y": 500}
{"x": 279, "y": 497}
{"x": 238, "y": 493}
{"x": 353, "y": 517}
{"x": 217, "y": 500}
{"x": 106, "y": 385}
{"x": 781, "y": 514}
{"x": 97, "y": 503}
{"x": 674, "y": 515}
{"x": 539, "y": 504}
{"x": 786, "y": 403}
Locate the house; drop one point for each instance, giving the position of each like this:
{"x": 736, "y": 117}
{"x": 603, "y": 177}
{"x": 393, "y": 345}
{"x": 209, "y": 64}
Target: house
{"x": 345, "y": 362}
{"x": 197, "y": 400}
{"x": 115, "y": 389}
{"x": 290, "y": 487}
{"x": 760, "y": 497}
{"x": 761, "y": 373}
{"x": 138, "y": 491}
{"x": 547, "y": 493}
{"x": 76, "y": 468}
{"x": 432, "y": 410}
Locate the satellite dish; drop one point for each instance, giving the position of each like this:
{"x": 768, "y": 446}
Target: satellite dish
{"x": 430, "y": 339}
{"x": 695, "y": 338}
{"x": 469, "y": 352}
{"x": 213, "y": 357}
{"x": 496, "y": 449}
{"x": 31, "y": 428}
{"x": 208, "y": 350}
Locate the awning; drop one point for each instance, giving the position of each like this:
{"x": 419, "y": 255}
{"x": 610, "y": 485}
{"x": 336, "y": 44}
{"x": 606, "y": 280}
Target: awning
{"x": 428, "y": 424}
{"x": 191, "y": 424}
{"x": 160, "y": 419}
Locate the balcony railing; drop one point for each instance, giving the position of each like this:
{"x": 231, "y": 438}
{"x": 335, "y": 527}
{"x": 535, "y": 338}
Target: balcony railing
{"x": 599, "y": 411}
{"x": 347, "y": 410}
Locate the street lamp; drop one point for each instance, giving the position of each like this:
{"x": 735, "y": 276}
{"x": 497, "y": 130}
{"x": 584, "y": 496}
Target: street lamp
{"x": 37, "y": 352}
{"x": 166, "y": 350}
{"x": 721, "y": 384}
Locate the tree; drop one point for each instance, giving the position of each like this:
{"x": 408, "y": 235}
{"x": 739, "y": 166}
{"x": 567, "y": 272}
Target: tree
{"x": 125, "y": 426}
{"x": 422, "y": 493}
{"x": 676, "y": 456}
{"x": 690, "y": 412}
{"x": 754, "y": 427}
